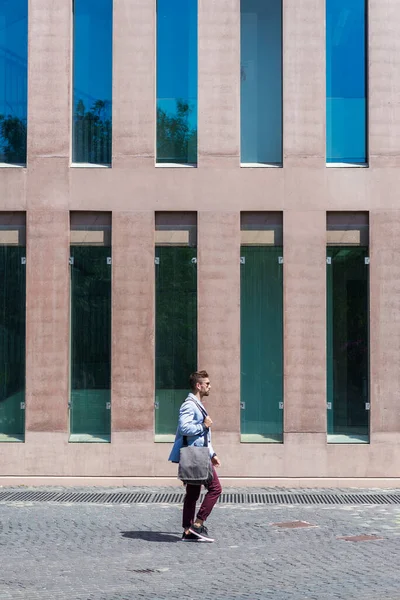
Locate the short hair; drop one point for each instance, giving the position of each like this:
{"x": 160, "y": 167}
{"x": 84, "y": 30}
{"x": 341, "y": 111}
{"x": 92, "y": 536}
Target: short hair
{"x": 196, "y": 378}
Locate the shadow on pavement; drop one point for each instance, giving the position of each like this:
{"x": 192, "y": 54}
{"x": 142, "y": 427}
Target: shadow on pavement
{"x": 151, "y": 536}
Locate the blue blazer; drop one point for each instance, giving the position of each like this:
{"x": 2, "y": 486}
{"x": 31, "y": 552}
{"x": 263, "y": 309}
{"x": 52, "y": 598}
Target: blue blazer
{"x": 191, "y": 425}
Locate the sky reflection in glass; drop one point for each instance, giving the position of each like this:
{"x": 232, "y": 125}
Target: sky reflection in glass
{"x": 177, "y": 81}
{"x": 346, "y": 126}
{"x": 261, "y": 81}
{"x": 92, "y": 81}
{"x": 13, "y": 80}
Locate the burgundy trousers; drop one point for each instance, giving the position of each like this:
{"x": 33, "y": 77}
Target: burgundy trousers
{"x": 214, "y": 491}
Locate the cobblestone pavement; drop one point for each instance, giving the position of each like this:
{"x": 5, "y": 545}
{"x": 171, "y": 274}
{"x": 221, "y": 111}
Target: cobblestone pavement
{"x": 131, "y": 552}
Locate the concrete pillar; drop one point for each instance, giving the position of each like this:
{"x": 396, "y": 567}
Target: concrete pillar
{"x": 384, "y": 82}
{"x": 133, "y": 322}
{"x": 49, "y": 81}
{"x": 47, "y": 321}
{"x": 219, "y": 83}
{"x": 304, "y": 281}
{"x": 134, "y": 110}
{"x": 219, "y": 315}
{"x": 385, "y": 321}
{"x": 304, "y": 82}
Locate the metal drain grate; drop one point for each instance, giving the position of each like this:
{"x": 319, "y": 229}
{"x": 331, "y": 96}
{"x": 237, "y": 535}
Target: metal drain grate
{"x": 285, "y": 498}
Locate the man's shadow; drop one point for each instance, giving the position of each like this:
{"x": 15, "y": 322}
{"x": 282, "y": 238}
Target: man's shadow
{"x": 151, "y": 536}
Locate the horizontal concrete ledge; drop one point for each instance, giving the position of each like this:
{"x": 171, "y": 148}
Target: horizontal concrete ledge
{"x": 261, "y": 165}
{"x": 175, "y": 165}
{"x": 339, "y": 165}
{"x": 89, "y": 166}
{"x": 12, "y": 166}
{"x": 236, "y": 482}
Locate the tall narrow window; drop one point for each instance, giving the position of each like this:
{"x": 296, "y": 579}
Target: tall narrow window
{"x": 346, "y": 67}
{"x": 92, "y": 107}
{"x": 261, "y": 328}
{"x": 90, "y": 346}
{"x": 177, "y": 81}
{"x": 261, "y": 82}
{"x": 12, "y": 327}
{"x": 176, "y": 316}
{"x": 13, "y": 81}
{"x": 347, "y": 328}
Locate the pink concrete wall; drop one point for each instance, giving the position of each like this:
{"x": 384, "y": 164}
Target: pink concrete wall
{"x": 133, "y": 321}
{"x": 219, "y": 83}
{"x": 304, "y": 189}
{"x": 47, "y": 321}
{"x": 49, "y": 79}
{"x": 219, "y": 315}
{"x": 384, "y": 82}
{"x": 134, "y": 24}
{"x": 304, "y": 243}
{"x": 304, "y": 82}
{"x": 385, "y": 322}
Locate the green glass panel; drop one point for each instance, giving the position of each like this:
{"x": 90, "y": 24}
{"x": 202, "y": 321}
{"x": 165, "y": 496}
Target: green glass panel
{"x": 90, "y": 342}
{"x": 261, "y": 346}
{"x": 347, "y": 343}
{"x": 12, "y": 342}
{"x": 176, "y": 331}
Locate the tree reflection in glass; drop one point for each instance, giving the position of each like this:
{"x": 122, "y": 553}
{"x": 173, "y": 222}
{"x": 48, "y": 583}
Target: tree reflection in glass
{"x": 13, "y": 81}
{"x": 177, "y": 81}
{"x": 92, "y": 133}
{"x": 92, "y": 116}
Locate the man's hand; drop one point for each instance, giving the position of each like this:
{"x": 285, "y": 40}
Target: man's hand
{"x": 207, "y": 421}
{"x": 215, "y": 461}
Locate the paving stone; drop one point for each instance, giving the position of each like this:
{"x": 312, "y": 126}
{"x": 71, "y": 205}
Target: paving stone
{"x": 360, "y": 538}
{"x": 130, "y": 552}
{"x": 293, "y": 525}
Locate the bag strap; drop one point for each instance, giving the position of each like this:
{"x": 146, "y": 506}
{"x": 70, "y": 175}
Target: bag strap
{"x": 201, "y": 409}
{"x": 205, "y": 414}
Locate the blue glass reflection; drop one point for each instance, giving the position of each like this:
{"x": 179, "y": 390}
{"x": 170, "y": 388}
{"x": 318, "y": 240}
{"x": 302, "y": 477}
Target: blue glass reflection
{"x": 346, "y": 81}
{"x": 13, "y": 80}
{"x": 261, "y": 81}
{"x": 92, "y": 81}
{"x": 177, "y": 81}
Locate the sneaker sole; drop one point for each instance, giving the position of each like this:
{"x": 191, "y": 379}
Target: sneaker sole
{"x": 201, "y": 537}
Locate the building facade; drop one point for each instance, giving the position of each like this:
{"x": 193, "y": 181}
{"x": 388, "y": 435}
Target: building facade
{"x": 223, "y": 196}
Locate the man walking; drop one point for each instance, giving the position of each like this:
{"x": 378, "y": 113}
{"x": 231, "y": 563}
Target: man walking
{"x": 194, "y": 423}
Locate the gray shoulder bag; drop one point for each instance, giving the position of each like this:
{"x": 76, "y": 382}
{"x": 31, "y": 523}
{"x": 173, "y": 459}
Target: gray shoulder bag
{"x": 195, "y": 467}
